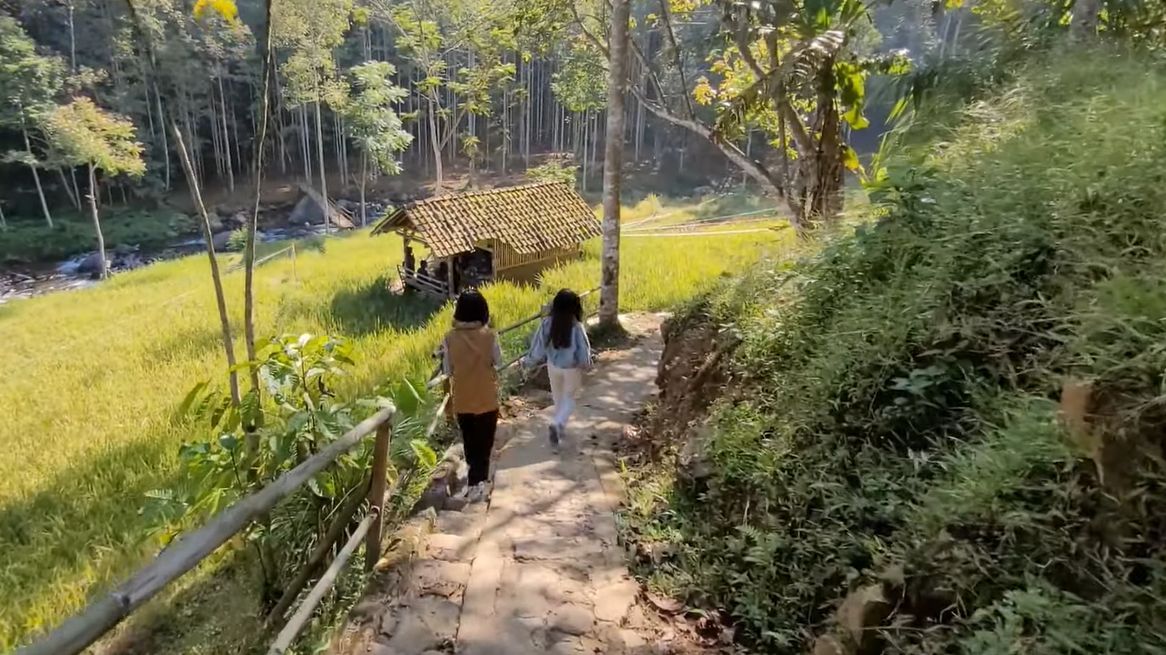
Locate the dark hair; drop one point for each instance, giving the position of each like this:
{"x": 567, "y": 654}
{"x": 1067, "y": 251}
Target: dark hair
{"x": 566, "y": 310}
{"x": 472, "y": 307}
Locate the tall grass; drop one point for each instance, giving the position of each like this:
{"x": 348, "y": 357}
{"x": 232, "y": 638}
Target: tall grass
{"x": 93, "y": 378}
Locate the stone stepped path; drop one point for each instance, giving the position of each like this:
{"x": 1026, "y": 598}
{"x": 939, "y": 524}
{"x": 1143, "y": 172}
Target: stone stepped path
{"x": 537, "y": 569}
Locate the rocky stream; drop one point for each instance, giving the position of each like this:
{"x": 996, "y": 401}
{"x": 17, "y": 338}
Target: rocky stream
{"x": 285, "y": 222}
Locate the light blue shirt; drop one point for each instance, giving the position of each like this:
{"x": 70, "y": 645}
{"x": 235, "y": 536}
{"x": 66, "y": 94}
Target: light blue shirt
{"x": 577, "y": 355}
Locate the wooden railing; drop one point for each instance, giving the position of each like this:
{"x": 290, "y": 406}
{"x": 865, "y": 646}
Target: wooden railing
{"x": 188, "y": 550}
{"x": 422, "y": 282}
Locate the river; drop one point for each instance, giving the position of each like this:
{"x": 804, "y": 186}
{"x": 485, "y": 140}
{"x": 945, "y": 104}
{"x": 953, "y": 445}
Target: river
{"x": 75, "y": 272}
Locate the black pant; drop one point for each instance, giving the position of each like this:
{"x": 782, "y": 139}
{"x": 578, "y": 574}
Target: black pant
{"x": 478, "y": 437}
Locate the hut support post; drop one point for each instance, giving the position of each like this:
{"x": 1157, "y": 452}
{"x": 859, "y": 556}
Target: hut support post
{"x": 449, "y": 263}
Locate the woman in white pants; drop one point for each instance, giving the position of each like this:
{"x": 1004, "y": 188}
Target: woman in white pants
{"x": 561, "y": 342}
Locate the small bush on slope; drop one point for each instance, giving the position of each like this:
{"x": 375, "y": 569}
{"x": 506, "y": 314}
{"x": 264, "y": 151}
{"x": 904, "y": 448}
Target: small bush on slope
{"x": 899, "y": 394}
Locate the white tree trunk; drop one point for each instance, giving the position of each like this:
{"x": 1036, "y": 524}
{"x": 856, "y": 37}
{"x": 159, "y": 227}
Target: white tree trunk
{"x": 226, "y": 139}
{"x": 165, "y": 143}
{"x": 72, "y": 39}
{"x": 434, "y": 142}
{"x": 363, "y": 183}
{"x": 40, "y": 191}
{"x": 76, "y": 202}
{"x": 612, "y": 165}
{"x": 320, "y": 162}
{"x": 97, "y": 223}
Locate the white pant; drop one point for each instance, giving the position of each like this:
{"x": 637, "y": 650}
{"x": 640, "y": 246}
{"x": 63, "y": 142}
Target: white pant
{"x": 565, "y": 384}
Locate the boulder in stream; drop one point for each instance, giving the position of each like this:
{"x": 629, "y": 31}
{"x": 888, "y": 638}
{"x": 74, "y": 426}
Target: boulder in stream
{"x": 220, "y": 240}
{"x": 91, "y": 265}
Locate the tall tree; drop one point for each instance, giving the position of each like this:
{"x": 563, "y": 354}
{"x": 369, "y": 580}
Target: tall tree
{"x": 313, "y": 29}
{"x": 457, "y": 50}
{"x": 267, "y": 56}
{"x": 140, "y": 23}
{"x": 788, "y": 69}
{"x": 613, "y": 163}
{"x": 373, "y": 123}
{"x": 28, "y": 84}
{"x": 84, "y": 134}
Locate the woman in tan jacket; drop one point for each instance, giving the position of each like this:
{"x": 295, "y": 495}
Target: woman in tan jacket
{"x": 470, "y": 357}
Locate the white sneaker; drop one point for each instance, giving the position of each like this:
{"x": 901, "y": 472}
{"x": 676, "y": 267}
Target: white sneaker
{"x": 476, "y": 493}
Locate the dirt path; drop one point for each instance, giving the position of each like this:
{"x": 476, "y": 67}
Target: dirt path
{"x": 538, "y": 568}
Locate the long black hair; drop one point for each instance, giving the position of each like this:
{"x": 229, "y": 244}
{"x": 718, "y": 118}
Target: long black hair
{"x": 566, "y": 310}
{"x": 472, "y": 307}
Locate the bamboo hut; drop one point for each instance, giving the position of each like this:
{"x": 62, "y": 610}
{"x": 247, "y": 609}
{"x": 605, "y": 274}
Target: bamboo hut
{"x": 501, "y": 234}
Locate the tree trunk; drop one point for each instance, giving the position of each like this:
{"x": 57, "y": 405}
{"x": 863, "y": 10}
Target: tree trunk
{"x": 825, "y": 198}
{"x": 612, "y": 165}
{"x": 320, "y": 161}
{"x": 305, "y": 147}
{"x": 165, "y": 144}
{"x": 252, "y": 438}
{"x": 3, "y": 221}
{"x": 363, "y": 182}
{"x": 216, "y": 277}
{"x": 226, "y": 139}
{"x": 40, "y": 191}
{"x": 433, "y": 140}
{"x": 196, "y": 196}
{"x": 76, "y": 202}
{"x": 581, "y": 129}
{"x": 97, "y": 223}
{"x": 72, "y": 39}
{"x": 76, "y": 187}
{"x": 1084, "y": 23}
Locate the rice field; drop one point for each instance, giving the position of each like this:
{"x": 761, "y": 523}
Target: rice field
{"x": 93, "y": 378}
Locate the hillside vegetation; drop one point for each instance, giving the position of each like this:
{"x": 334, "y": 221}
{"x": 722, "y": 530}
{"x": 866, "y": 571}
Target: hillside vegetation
{"x": 954, "y": 418}
{"x": 95, "y": 379}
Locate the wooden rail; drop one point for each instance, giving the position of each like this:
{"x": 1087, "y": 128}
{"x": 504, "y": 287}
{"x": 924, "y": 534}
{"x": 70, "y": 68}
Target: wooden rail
{"x": 422, "y": 282}
{"x": 188, "y": 550}
{"x": 182, "y": 555}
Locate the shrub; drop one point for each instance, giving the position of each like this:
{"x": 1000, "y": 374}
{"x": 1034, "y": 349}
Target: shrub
{"x": 894, "y": 404}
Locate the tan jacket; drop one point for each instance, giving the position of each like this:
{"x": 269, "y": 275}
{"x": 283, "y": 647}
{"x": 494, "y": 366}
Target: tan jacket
{"x": 471, "y": 353}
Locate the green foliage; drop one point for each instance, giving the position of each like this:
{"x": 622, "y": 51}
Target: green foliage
{"x": 580, "y": 84}
{"x": 482, "y": 29}
{"x": 300, "y": 415}
{"x": 120, "y": 358}
{"x": 312, "y": 30}
{"x": 237, "y": 241}
{"x": 370, "y": 117}
{"x": 894, "y": 407}
{"x": 29, "y": 81}
{"x": 84, "y": 134}
{"x": 553, "y": 171}
{"x": 32, "y": 241}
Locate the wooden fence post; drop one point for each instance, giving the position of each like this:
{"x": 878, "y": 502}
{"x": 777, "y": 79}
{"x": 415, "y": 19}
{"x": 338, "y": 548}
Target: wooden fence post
{"x": 376, "y": 495}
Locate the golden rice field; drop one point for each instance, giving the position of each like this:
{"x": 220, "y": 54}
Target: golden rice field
{"x": 92, "y": 379}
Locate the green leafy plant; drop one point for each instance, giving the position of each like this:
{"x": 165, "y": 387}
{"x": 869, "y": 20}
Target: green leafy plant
{"x": 553, "y": 171}
{"x": 300, "y": 415}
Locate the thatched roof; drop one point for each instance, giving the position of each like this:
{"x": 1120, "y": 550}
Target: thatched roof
{"x": 530, "y": 219}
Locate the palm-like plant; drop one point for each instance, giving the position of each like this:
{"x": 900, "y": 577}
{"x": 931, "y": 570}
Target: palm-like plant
{"x": 797, "y": 74}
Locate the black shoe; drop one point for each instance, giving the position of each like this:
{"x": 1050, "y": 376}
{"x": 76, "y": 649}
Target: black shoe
{"x": 554, "y": 434}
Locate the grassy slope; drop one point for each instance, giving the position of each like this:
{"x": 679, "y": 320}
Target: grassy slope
{"x": 94, "y": 376}
{"x": 897, "y": 400}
